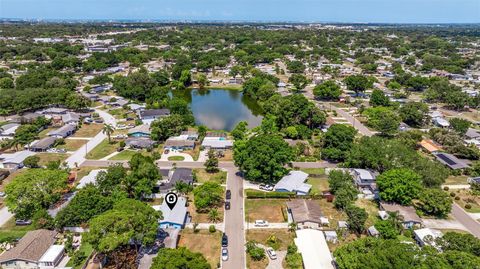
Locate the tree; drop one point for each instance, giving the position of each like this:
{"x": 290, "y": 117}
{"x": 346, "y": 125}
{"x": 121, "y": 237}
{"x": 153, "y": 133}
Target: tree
{"x": 168, "y": 258}
{"x": 6, "y": 83}
{"x": 453, "y": 241}
{"x": 383, "y": 119}
{"x": 435, "y": 202}
{"x": 291, "y": 132}
{"x": 356, "y": 218}
{"x": 169, "y": 126}
{"x": 299, "y": 81}
{"x": 262, "y": 158}
{"x": 293, "y": 258}
{"x": 256, "y": 253}
{"x": 202, "y": 81}
{"x": 128, "y": 221}
{"x": 25, "y": 134}
{"x": 327, "y": 90}
{"x": 183, "y": 188}
{"x": 345, "y": 196}
{"x": 207, "y": 196}
{"x": 379, "y": 98}
{"x": 337, "y": 141}
{"x": 87, "y": 203}
{"x": 337, "y": 179}
{"x": 399, "y": 185}
{"x": 142, "y": 178}
{"x": 460, "y": 125}
{"x": 240, "y": 130}
{"x": 108, "y": 130}
{"x": 414, "y": 114}
{"x": 358, "y": 83}
{"x": 387, "y": 229}
{"x": 108, "y": 181}
{"x": 31, "y": 161}
{"x": 211, "y": 165}
{"x": 213, "y": 215}
{"x": 33, "y": 190}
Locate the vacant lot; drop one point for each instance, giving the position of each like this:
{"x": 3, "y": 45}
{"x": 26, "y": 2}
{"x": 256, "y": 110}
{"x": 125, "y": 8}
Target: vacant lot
{"x": 88, "y": 130}
{"x": 102, "y": 150}
{"x": 203, "y": 176}
{"x": 371, "y": 208}
{"x": 467, "y": 197}
{"x": 265, "y": 209}
{"x": 72, "y": 144}
{"x": 45, "y": 157}
{"x": 456, "y": 180}
{"x": 279, "y": 238}
{"x": 209, "y": 244}
{"x": 331, "y": 213}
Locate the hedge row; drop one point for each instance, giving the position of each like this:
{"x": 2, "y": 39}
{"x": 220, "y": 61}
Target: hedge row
{"x": 254, "y": 194}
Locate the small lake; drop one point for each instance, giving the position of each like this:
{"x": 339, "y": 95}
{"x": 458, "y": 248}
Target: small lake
{"x": 221, "y": 109}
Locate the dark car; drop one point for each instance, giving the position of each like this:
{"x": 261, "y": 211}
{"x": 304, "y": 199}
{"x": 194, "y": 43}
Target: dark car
{"x": 224, "y": 240}
{"x": 228, "y": 195}
{"x": 227, "y": 205}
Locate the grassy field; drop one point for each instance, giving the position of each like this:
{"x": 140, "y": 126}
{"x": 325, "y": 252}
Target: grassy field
{"x": 209, "y": 244}
{"x": 102, "y": 150}
{"x": 201, "y": 217}
{"x": 284, "y": 237}
{"x": 467, "y": 197}
{"x": 48, "y": 157}
{"x": 72, "y": 144}
{"x": 10, "y": 231}
{"x": 203, "y": 176}
{"x": 371, "y": 208}
{"x": 44, "y": 133}
{"x": 314, "y": 171}
{"x": 88, "y": 130}
{"x": 318, "y": 184}
{"x": 85, "y": 170}
{"x": 125, "y": 155}
{"x": 265, "y": 209}
{"x": 456, "y": 180}
{"x": 176, "y": 158}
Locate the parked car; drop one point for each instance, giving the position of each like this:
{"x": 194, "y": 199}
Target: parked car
{"x": 166, "y": 151}
{"x": 261, "y": 223}
{"x": 120, "y": 149}
{"x": 271, "y": 253}
{"x": 2, "y": 194}
{"x": 227, "y": 205}
{"x": 228, "y": 195}
{"x": 266, "y": 187}
{"x": 224, "y": 240}
{"x": 22, "y": 222}
{"x": 224, "y": 254}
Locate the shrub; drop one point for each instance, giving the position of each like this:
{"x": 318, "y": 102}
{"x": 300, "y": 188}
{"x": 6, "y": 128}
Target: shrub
{"x": 446, "y": 188}
{"x": 468, "y": 206}
{"x": 255, "y": 252}
{"x": 453, "y": 194}
{"x": 254, "y": 194}
{"x": 212, "y": 229}
{"x": 457, "y": 198}
{"x": 122, "y": 144}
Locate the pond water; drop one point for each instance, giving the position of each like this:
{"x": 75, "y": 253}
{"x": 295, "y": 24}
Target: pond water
{"x": 221, "y": 109}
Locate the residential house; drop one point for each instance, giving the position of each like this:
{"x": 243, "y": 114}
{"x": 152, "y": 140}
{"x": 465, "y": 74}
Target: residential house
{"x": 176, "y": 217}
{"x": 176, "y": 144}
{"x": 430, "y": 146}
{"x": 140, "y": 131}
{"x": 217, "y": 143}
{"x": 314, "y": 249}
{"x": 149, "y": 115}
{"x": 71, "y": 118}
{"x": 172, "y": 177}
{"x": 139, "y": 143}
{"x": 408, "y": 213}
{"x": 294, "y": 182}
{"x": 34, "y": 251}
{"x": 7, "y": 131}
{"x": 54, "y": 111}
{"x": 189, "y": 135}
{"x": 365, "y": 181}
{"x": 14, "y": 161}
{"x": 427, "y": 236}
{"x": 64, "y": 131}
{"x": 26, "y": 118}
{"x": 451, "y": 161}
{"x": 305, "y": 213}
{"x": 42, "y": 144}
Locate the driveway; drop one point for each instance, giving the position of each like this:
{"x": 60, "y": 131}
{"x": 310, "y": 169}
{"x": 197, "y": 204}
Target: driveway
{"x": 172, "y": 153}
{"x": 277, "y": 263}
{"x": 5, "y": 216}
{"x": 466, "y": 220}
{"x": 443, "y": 224}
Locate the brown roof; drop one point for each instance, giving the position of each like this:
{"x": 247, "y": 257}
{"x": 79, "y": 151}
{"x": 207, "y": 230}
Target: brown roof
{"x": 305, "y": 210}
{"x": 429, "y": 145}
{"x": 31, "y": 247}
{"x": 407, "y": 212}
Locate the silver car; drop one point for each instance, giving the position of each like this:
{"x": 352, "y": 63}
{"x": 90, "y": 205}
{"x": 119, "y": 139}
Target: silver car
{"x": 224, "y": 254}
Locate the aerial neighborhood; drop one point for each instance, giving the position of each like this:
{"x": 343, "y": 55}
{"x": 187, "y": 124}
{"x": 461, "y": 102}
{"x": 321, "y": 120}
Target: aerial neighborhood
{"x": 239, "y": 145}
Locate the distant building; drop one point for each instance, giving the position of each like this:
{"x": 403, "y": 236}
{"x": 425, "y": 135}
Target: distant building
{"x": 149, "y": 115}
{"x": 140, "y": 131}
{"x": 64, "y": 131}
{"x": 14, "y": 161}
{"x": 7, "y": 131}
{"x": 294, "y": 182}
{"x": 139, "y": 143}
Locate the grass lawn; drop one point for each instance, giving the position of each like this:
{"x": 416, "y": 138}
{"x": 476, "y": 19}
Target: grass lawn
{"x": 284, "y": 237}
{"x": 195, "y": 153}
{"x": 10, "y": 231}
{"x": 102, "y": 150}
{"x": 176, "y": 158}
{"x": 48, "y": 157}
{"x": 371, "y": 208}
{"x": 467, "y": 197}
{"x": 331, "y": 213}
{"x": 87, "y": 249}
{"x": 44, "y": 133}
{"x": 318, "y": 184}
{"x": 72, "y": 144}
{"x": 202, "y": 176}
{"x": 456, "y": 180}
{"x": 202, "y": 217}
{"x": 125, "y": 155}
{"x": 314, "y": 171}
{"x": 88, "y": 130}
{"x": 85, "y": 170}
{"x": 209, "y": 244}
{"x": 265, "y": 209}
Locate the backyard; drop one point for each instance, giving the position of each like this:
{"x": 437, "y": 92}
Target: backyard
{"x": 466, "y": 197}
{"x": 203, "y": 176}
{"x": 278, "y": 239}
{"x": 271, "y": 210}
{"x": 88, "y": 130}
{"x": 204, "y": 242}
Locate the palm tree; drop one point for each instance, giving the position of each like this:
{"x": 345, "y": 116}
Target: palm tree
{"x": 396, "y": 220}
{"x": 213, "y": 215}
{"x": 292, "y": 227}
{"x": 108, "y": 130}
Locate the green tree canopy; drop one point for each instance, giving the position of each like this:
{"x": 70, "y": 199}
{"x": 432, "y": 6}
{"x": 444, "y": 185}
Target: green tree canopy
{"x": 179, "y": 258}
{"x": 337, "y": 141}
{"x": 327, "y": 90}
{"x": 399, "y": 185}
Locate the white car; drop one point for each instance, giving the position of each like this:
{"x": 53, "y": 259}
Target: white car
{"x": 261, "y": 223}
{"x": 224, "y": 254}
{"x": 266, "y": 187}
{"x": 271, "y": 253}
{"x": 2, "y": 194}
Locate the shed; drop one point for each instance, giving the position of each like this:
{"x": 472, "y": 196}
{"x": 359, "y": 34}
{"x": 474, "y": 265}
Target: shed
{"x": 372, "y": 231}
{"x": 331, "y": 236}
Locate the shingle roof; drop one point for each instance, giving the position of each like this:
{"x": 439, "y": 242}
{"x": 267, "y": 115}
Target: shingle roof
{"x": 294, "y": 181}
{"x": 305, "y": 210}
{"x": 43, "y": 143}
{"x": 31, "y": 247}
{"x": 408, "y": 212}
{"x": 63, "y": 131}
{"x": 154, "y": 112}
{"x": 179, "y": 143}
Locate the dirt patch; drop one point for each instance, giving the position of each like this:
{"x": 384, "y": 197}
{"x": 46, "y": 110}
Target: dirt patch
{"x": 88, "y": 130}
{"x": 265, "y": 209}
{"x": 209, "y": 244}
{"x": 262, "y": 236}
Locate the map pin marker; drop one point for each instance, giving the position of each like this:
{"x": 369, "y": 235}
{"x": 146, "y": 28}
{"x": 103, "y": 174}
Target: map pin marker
{"x": 171, "y": 200}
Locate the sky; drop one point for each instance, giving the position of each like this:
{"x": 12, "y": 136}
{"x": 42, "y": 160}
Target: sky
{"x": 349, "y": 11}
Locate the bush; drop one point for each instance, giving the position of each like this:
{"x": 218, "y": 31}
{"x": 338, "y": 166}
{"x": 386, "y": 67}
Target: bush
{"x": 212, "y": 229}
{"x": 453, "y": 194}
{"x": 256, "y": 253}
{"x": 254, "y": 194}
{"x": 122, "y": 144}
{"x": 457, "y": 198}
{"x": 78, "y": 258}
{"x": 468, "y": 206}
{"x": 446, "y": 188}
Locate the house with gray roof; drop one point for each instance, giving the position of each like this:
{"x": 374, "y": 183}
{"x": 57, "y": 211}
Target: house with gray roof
{"x": 14, "y": 161}
{"x": 64, "y": 131}
{"x": 451, "y": 161}
{"x": 176, "y": 217}
{"x": 149, "y": 115}
{"x": 42, "y": 144}
{"x": 35, "y": 250}
{"x": 305, "y": 213}
{"x": 70, "y": 118}
{"x": 174, "y": 176}
{"x": 294, "y": 182}
{"x": 177, "y": 144}
{"x": 139, "y": 142}
{"x": 140, "y": 131}
{"x": 7, "y": 131}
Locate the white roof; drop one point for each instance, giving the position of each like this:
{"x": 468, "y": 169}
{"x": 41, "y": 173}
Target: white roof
{"x": 175, "y": 215}
{"x": 294, "y": 181}
{"x": 442, "y": 122}
{"x": 90, "y": 178}
{"x": 9, "y": 129}
{"x": 52, "y": 253}
{"x": 17, "y": 157}
{"x": 422, "y": 233}
{"x": 364, "y": 174}
{"x": 217, "y": 143}
{"x": 314, "y": 249}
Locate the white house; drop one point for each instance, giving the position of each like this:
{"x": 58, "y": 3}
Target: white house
{"x": 294, "y": 182}
{"x": 314, "y": 249}
{"x": 427, "y": 236}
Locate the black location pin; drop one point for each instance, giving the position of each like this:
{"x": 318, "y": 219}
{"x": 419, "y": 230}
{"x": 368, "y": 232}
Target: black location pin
{"x": 171, "y": 200}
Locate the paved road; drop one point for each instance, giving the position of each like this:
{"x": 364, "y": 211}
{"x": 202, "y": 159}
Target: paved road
{"x": 5, "y": 215}
{"x": 234, "y": 223}
{"x": 461, "y": 216}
